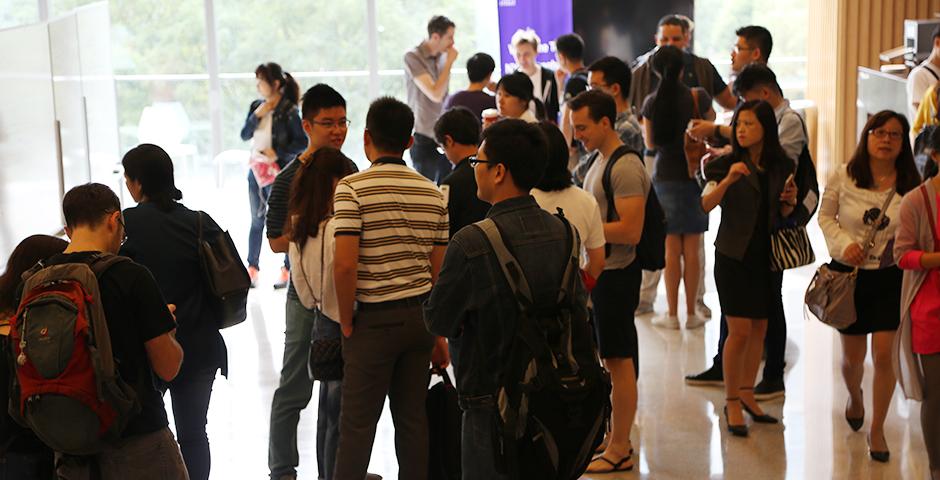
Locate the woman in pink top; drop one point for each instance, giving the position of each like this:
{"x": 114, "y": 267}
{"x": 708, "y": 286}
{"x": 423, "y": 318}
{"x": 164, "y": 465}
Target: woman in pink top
{"x": 918, "y": 341}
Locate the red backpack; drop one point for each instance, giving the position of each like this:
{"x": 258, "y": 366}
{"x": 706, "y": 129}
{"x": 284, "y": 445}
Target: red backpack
{"x": 67, "y": 389}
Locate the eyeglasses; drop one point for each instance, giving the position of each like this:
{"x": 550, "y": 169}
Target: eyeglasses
{"x": 881, "y": 134}
{"x": 474, "y": 161}
{"x": 738, "y": 49}
{"x": 341, "y": 124}
{"x": 120, "y": 220}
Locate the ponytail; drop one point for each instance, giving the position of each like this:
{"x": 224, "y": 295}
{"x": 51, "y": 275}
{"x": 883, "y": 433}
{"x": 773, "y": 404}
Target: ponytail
{"x": 667, "y": 125}
{"x": 271, "y": 72}
{"x": 291, "y": 89}
{"x": 540, "y": 113}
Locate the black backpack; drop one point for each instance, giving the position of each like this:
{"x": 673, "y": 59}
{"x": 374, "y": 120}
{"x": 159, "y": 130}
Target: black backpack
{"x": 553, "y": 397}
{"x": 651, "y": 250}
{"x": 225, "y": 275}
{"x": 807, "y": 185}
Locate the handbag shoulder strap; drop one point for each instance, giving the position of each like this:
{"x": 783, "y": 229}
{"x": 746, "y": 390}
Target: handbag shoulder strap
{"x": 933, "y": 225}
{"x": 696, "y": 111}
{"x": 870, "y": 238}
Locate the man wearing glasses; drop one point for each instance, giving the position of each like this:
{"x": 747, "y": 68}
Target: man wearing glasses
{"x": 324, "y": 121}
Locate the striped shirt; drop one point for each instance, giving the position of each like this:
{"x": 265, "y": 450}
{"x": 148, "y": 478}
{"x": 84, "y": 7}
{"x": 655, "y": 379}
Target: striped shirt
{"x": 399, "y": 217}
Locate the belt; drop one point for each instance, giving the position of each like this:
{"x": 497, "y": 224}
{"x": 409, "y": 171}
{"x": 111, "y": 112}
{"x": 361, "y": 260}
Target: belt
{"x": 415, "y": 301}
{"x": 468, "y": 402}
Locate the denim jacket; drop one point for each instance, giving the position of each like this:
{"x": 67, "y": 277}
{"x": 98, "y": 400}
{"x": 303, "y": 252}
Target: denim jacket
{"x": 287, "y": 134}
{"x": 471, "y": 303}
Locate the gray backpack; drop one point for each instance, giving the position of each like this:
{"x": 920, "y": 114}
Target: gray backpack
{"x": 66, "y": 388}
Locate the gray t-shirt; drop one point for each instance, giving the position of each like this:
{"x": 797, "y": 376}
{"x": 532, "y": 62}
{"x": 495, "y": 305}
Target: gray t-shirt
{"x": 419, "y": 61}
{"x": 627, "y": 179}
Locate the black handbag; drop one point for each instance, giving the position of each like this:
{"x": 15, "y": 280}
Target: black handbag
{"x": 326, "y": 358}
{"x": 443, "y": 429}
{"x": 225, "y": 275}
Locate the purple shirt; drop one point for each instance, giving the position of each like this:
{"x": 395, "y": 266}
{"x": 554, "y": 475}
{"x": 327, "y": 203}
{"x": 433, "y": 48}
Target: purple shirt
{"x": 475, "y": 101}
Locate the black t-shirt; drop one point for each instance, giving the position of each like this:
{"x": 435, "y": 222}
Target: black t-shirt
{"x": 671, "y": 164}
{"x": 135, "y": 312}
{"x": 463, "y": 205}
{"x": 166, "y": 243}
{"x": 576, "y": 83}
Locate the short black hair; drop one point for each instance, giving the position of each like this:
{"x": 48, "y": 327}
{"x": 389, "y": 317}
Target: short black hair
{"x": 616, "y": 71}
{"x": 521, "y": 147}
{"x": 440, "y": 24}
{"x": 317, "y": 98}
{"x": 757, "y": 36}
{"x": 753, "y": 76}
{"x": 461, "y": 124}
{"x": 598, "y": 103}
{"x": 570, "y": 45}
{"x": 557, "y": 176}
{"x": 936, "y": 32}
{"x": 676, "y": 20}
{"x": 479, "y": 66}
{"x": 88, "y": 205}
{"x": 389, "y": 123}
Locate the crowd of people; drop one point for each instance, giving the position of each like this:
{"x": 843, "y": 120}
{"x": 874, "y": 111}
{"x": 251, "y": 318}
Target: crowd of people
{"x": 389, "y": 271}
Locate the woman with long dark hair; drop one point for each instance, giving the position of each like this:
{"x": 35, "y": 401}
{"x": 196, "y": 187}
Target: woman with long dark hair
{"x": 311, "y": 252}
{"x": 162, "y": 235}
{"x": 882, "y": 167}
{"x": 514, "y": 99}
{"x": 751, "y": 185}
{"x": 666, "y": 112}
{"x": 22, "y": 454}
{"x": 918, "y": 339}
{"x": 273, "y": 125}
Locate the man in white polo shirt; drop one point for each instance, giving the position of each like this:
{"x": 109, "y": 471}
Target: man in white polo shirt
{"x": 391, "y": 233}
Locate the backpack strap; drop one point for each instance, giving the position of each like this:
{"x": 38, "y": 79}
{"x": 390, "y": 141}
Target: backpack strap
{"x": 101, "y": 262}
{"x": 507, "y": 263}
{"x": 608, "y": 188}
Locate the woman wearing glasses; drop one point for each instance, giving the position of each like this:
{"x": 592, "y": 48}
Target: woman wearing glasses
{"x": 274, "y": 128}
{"x": 879, "y": 173}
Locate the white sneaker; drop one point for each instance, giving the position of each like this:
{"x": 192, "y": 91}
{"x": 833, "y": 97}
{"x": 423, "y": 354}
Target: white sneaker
{"x": 703, "y": 310}
{"x": 666, "y": 321}
{"x": 643, "y": 308}
{"x": 694, "y": 321}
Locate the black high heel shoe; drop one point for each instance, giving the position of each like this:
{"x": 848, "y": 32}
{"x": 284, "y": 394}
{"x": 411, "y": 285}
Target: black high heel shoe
{"x": 736, "y": 430}
{"x": 855, "y": 423}
{"x": 882, "y": 456}
{"x": 762, "y": 418}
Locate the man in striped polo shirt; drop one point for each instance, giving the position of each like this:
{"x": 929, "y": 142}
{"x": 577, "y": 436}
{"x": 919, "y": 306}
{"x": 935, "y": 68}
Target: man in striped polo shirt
{"x": 391, "y": 233}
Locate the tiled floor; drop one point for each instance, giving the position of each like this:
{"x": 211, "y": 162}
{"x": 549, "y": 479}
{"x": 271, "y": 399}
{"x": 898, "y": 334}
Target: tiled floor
{"x": 678, "y": 431}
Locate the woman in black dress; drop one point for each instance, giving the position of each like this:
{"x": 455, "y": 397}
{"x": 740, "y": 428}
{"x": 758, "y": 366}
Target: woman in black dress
{"x": 753, "y": 187}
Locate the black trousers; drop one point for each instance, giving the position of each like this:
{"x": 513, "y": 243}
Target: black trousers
{"x": 427, "y": 160}
{"x": 190, "y": 397}
{"x": 775, "y": 342}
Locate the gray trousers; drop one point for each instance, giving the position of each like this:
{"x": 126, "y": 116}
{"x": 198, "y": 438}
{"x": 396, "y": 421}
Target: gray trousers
{"x": 151, "y": 456}
{"x": 388, "y": 354}
{"x": 930, "y": 408}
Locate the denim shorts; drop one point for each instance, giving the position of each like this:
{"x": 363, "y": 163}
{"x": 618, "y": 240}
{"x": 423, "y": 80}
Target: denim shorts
{"x": 682, "y": 203}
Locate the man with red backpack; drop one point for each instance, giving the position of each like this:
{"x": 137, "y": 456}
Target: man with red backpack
{"x": 91, "y": 396}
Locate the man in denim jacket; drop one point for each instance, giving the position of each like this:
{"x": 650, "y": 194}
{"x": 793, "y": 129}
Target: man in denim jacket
{"x": 471, "y": 299}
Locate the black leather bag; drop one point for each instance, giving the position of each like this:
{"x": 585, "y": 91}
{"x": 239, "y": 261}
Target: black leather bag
{"x": 443, "y": 429}
{"x": 225, "y": 274}
{"x": 326, "y": 358}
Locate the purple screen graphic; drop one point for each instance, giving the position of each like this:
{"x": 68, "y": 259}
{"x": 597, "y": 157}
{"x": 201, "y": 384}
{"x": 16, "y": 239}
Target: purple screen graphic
{"x": 549, "y": 19}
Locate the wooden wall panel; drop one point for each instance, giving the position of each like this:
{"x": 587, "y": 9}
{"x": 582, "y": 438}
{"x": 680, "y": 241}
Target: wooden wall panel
{"x": 859, "y": 30}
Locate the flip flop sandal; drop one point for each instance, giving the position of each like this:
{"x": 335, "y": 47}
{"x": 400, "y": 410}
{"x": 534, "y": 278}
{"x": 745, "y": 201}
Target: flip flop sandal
{"x": 614, "y": 467}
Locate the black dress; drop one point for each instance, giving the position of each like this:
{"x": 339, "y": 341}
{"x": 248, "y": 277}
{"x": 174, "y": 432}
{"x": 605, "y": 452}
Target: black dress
{"x": 744, "y": 285}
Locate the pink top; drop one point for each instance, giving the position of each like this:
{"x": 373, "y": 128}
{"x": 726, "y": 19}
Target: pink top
{"x": 925, "y": 310}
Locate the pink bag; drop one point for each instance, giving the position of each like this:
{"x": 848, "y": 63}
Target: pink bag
{"x": 264, "y": 169}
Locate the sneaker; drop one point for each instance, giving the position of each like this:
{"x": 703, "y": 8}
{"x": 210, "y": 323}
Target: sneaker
{"x": 282, "y": 282}
{"x": 703, "y": 310}
{"x": 769, "y": 389}
{"x": 644, "y": 308}
{"x": 373, "y": 476}
{"x": 253, "y": 276}
{"x": 694, "y": 321}
{"x": 667, "y": 321}
{"x": 711, "y": 377}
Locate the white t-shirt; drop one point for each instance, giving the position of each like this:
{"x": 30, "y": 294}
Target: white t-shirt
{"x": 580, "y": 209}
{"x": 311, "y": 271}
{"x": 537, "y": 83}
{"x": 919, "y": 80}
{"x": 846, "y": 215}
{"x": 262, "y": 137}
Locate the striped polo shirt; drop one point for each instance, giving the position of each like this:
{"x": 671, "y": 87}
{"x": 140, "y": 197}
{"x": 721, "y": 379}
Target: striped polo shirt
{"x": 399, "y": 217}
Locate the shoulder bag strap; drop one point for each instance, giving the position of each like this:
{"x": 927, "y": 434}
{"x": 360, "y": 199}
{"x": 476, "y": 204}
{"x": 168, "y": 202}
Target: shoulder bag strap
{"x": 507, "y": 263}
{"x": 933, "y": 225}
{"x": 696, "y": 111}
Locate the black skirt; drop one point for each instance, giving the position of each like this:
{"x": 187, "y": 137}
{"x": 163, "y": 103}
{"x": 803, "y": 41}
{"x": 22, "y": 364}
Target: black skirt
{"x": 743, "y": 287}
{"x": 877, "y": 299}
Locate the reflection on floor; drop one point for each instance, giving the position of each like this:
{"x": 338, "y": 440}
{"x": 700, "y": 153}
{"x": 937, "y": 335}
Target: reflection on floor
{"x": 678, "y": 433}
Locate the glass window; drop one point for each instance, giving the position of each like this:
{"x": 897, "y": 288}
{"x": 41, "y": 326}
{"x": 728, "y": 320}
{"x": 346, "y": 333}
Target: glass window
{"x": 18, "y": 12}
{"x": 717, "y": 20}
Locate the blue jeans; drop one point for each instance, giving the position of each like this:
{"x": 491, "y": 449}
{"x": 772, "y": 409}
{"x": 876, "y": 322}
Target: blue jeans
{"x": 258, "y": 199}
{"x": 294, "y": 390}
{"x": 328, "y": 407}
{"x": 478, "y": 452}
{"x": 190, "y": 399}
{"x": 428, "y": 161}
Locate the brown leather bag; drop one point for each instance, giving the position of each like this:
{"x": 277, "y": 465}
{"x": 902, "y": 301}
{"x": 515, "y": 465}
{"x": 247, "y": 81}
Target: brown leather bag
{"x": 694, "y": 149}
